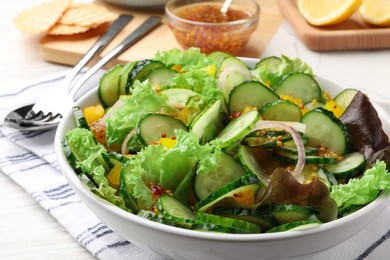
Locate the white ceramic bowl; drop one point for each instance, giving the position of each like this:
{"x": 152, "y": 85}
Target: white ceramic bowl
{"x": 179, "y": 243}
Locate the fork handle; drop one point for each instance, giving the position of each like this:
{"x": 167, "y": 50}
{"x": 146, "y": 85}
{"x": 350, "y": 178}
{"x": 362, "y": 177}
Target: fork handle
{"x": 97, "y": 47}
{"x": 151, "y": 23}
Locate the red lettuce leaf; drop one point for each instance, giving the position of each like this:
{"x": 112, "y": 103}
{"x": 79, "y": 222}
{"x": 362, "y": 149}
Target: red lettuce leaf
{"x": 365, "y": 128}
{"x": 285, "y": 189}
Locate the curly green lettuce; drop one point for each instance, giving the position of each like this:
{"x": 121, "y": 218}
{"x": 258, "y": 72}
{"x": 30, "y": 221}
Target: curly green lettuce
{"x": 360, "y": 191}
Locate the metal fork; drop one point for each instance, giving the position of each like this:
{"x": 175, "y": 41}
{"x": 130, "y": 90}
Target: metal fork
{"x": 48, "y": 111}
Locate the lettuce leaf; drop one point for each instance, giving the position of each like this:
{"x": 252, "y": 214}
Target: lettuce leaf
{"x": 143, "y": 100}
{"x": 360, "y": 191}
{"x": 189, "y": 59}
{"x": 272, "y": 77}
{"x": 179, "y": 160}
{"x": 139, "y": 173}
{"x": 90, "y": 156}
{"x": 171, "y": 169}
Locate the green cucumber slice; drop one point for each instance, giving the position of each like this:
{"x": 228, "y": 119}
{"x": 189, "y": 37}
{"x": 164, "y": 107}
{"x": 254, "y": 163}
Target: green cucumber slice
{"x": 154, "y": 126}
{"x": 108, "y": 86}
{"x": 313, "y": 104}
{"x": 170, "y": 206}
{"x": 233, "y": 72}
{"x": 123, "y": 76}
{"x": 206, "y": 218}
{"x": 205, "y": 125}
{"x": 309, "y": 159}
{"x": 217, "y": 57}
{"x": 297, "y": 225}
{"x": 250, "y": 94}
{"x": 227, "y": 171}
{"x": 344, "y": 98}
{"x": 163, "y": 219}
{"x": 255, "y": 216}
{"x": 281, "y": 110}
{"x": 160, "y": 76}
{"x": 323, "y": 128}
{"x": 270, "y": 63}
{"x": 290, "y": 213}
{"x": 292, "y": 149}
{"x": 299, "y": 85}
{"x": 244, "y": 184}
{"x": 350, "y": 166}
{"x": 81, "y": 122}
{"x": 238, "y": 128}
{"x": 250, "y": 164}
{"x": 140, "y": 70}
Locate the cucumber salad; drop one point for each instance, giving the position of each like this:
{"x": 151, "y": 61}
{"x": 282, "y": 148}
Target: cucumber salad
{"x": 206, "y": 143}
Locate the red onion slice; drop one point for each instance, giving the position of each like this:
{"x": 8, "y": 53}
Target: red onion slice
{"x": 297, "y": 139}
{"x": 126, "y": 140}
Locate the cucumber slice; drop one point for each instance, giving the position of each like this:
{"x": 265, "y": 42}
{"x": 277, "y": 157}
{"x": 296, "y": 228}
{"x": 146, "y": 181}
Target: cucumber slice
{"x": 154, "y": 126}
{"x": 247, "y": 183}
{"x": 323, "y": 128}
{"x": 270, "y": 63}
{"x": 123, "y": 76}
{"x": 177, "y": 97}
{"x": 281, "y": 110}
{"x": 292, "y": 149}
{"x": 238, "y": 128}
{"x": 234, "y": 72}
{"x": 81, "y": 122}
{"x": 297, "y": 225}
{"x": 227, "y": 171}
{"x": 170, "y": 206}
{"x": 309, "y": 159}
{"x": 160, "y": 76}
{"x": 313, "y": 104}
{"x": 108, "y": 86}
{"x": 272, "y": 139}
{"x": 250, "y": 94}
{"x": 217, "y": 57}
{"x": 206, "y": 218}
{"x": 218, "y": 228}
{"x": 250, "y": 164}
{"x": 344, "y": 98}
{"x": 290, "y": 213}
{"x": 258, "y": 217}
{"x": 140, "y": 70}
{"x": 350, "y": 166}
{"x": 299, "y": 85}
{"x": 205, "y": 125}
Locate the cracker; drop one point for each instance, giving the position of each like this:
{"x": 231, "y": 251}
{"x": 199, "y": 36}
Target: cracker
{"x": 87, "y": 15}
{"x": 64, "y": 29}
{"x": 41, "y": 18}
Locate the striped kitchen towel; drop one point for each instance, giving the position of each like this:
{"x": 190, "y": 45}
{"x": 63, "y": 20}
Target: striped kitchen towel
{"x": 28, "y": 158}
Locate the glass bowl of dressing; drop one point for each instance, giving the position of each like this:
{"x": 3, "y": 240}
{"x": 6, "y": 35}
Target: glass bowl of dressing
{"x": 205, "y": 25}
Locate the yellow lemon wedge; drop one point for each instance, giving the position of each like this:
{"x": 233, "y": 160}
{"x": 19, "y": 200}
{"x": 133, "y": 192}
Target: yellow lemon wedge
{"x": 330, "y": 12}
{"x": 376, "y": 12}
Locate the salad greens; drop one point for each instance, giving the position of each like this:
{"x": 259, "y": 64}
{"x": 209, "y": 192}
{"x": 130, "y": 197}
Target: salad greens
{"x": 208, "y": 167}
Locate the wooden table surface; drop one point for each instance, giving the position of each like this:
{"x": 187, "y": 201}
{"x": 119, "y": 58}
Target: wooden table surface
{"x": 27, "y": 231}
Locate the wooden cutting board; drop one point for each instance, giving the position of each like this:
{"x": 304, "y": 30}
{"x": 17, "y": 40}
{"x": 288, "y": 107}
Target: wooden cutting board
{"x": 352, "y": 34}
{"x": 69, "y": 49}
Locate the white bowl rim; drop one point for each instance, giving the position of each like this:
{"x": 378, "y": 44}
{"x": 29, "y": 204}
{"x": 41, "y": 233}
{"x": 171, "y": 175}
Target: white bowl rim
{"x": 261, "y": 237}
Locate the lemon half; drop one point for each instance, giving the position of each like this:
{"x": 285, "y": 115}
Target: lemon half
{"x": 376, "y": 12}
{"x": 329, "y": 12}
